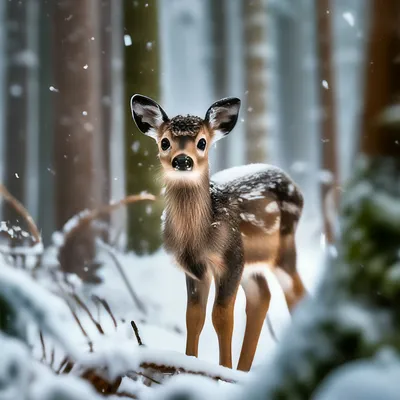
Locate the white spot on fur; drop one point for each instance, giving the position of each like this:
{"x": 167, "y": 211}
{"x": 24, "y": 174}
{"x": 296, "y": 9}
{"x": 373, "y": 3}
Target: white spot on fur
{"x": 273, "y": 228}
{"x": 252, "y": 219}
{"x": 272, "y": 207}
{"x": 290, "y": 188}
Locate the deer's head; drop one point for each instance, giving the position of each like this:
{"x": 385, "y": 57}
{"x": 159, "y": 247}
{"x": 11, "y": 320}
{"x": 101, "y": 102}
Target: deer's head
{"x": 184, "y": 141}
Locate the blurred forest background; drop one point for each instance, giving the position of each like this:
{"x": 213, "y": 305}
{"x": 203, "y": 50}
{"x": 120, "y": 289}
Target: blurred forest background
{"x": 68, "y": 69}
{"x": 320, "y": 89}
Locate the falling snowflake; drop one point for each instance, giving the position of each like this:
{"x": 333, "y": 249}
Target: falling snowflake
{"x": 349, "y": 18}
{"x": 127, "y": 40}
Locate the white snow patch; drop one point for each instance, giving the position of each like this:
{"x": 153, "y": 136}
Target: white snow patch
{"x": 233, "y": 173}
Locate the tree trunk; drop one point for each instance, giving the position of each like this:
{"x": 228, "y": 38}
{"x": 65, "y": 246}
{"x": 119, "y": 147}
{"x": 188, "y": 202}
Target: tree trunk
{"x": 141, "y": 76}
{"x": 113, "y": 110}
{"x": 16, "y": 105}
{"x": 380, "y": 131}
{"x": 329, "y": 173}
{"x": 255, "y": 18}
{"x": 220, "y": 69}
{"x": 78, "y": 147}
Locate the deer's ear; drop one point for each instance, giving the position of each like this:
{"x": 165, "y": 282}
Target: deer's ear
{"x": 222, "y": 116}
{"x": 147, "y": 114}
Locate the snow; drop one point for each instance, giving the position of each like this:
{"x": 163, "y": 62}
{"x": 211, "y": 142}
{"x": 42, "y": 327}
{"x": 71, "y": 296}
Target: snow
{"x": 161, "y": 287}
{"x": 367, "y": 380}
{"x": 35, "y": 303}
{"x": 61, "y": 387}
{"x": 14, "y": 371}
{"x": 233, "y": 173}
{"x": 181, "y": 387}
{"x": 117, "y": 358}
{"x": 127, "y": 40}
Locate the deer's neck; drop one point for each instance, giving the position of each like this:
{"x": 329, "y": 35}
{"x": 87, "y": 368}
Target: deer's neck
{"x": 188, "y": 214}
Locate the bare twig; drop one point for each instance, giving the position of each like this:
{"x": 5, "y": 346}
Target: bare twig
{"x": 170, "y": 370}
{"x": 129, "y": 375}
{"x": 23, "y": 211}
{"x": 52, "y": 358}
{"x": 43, "y": 346}
{"x": 125, "y": 394}
{"x": 65, "y": 296}
{"x": 90, "y": 215}
{"x": 89, "y": 341}
{"x": 63, "y": 363}
{"x": 106, "y": 307}
{"x": 136, "y": 331}
{"x": 84, "y": 307}
{"x": 138, "y": 303}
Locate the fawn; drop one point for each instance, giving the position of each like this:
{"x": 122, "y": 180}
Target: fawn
{"x": 223, "y": 227}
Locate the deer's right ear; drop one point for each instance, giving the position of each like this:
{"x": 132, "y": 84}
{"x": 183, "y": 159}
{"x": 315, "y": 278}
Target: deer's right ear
{"x": 147, "y": 114}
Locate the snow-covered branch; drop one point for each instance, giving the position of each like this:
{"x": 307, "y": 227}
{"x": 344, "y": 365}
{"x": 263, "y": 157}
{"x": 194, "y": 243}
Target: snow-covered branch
{"x": 119, "y": 359}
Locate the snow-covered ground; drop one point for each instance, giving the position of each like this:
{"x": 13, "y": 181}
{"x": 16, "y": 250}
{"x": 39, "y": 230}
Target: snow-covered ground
{"x": 161, "y": 287}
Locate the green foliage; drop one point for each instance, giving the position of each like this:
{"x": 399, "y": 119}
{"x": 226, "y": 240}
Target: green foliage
{"x": 141, "y": 76}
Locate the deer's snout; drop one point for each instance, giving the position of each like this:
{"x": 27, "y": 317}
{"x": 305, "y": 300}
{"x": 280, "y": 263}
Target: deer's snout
{"x": 182, "y": 162}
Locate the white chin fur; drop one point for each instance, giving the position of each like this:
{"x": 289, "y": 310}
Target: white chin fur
{"x": 182, "y": 176}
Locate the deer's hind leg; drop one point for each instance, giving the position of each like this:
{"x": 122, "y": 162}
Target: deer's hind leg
{"x": 258, "y": 298}
{"x": 286, "y": 271}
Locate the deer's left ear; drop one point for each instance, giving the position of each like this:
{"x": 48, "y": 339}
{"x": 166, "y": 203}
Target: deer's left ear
{"x": 222, "y": 116}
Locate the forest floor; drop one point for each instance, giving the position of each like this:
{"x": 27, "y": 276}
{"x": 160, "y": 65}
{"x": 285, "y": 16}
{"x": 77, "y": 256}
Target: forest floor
{"x": 160, "y": 285}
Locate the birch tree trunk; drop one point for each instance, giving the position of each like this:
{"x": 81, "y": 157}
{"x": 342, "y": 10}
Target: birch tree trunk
{"x": 329, "y": 174}
{"x": 78, "y": 134}
{"x": 254, "y": 14}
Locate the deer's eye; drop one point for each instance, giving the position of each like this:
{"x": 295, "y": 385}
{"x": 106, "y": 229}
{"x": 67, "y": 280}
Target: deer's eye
{"x": 201, "y": 144}
{"x": 165, "y": 145}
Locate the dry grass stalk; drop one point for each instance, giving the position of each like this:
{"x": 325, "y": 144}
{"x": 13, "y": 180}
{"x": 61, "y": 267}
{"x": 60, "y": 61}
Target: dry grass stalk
{"x": 23, "y": 211}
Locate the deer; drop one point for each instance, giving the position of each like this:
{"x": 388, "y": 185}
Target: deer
{"x": 227, "y": 227}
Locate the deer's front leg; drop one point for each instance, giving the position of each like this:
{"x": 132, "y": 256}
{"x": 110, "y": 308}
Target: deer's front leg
{"x": 223, "y": 310}
{"x": 197, "y": 295}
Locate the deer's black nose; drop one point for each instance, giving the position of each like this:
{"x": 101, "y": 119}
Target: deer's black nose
{"x": 182, "y": 163}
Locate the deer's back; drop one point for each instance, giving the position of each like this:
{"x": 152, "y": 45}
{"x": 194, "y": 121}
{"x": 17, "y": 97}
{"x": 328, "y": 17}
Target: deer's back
{"x": 269, "y": 204}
